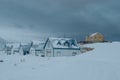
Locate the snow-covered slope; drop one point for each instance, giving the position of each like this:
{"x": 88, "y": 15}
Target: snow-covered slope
{"x": 103, "y": 63}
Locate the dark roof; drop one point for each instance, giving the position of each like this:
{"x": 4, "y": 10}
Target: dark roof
{"x": 26, "y": 48}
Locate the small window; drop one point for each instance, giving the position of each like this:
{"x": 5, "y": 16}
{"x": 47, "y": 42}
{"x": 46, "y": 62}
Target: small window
{"x": 74, "y": 53}
{"x": 58, "y": 53}
{"x": 66, "y": 43}
{"x": 59, "y": 43}
{"x": 95, "y": 37}
{"x": 42, "y": 55}
{"x": 48, "y": 51}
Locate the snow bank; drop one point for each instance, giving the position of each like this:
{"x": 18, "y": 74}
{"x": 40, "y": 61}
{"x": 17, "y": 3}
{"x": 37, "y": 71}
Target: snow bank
{"x": 103, "y": 63}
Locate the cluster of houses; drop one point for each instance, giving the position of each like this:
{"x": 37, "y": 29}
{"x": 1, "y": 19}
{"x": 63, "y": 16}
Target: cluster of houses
{"x": 52, "y": 47}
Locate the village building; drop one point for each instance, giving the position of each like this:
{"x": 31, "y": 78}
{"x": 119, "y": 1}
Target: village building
{"x": 37, "y": 48}
{"x": 95, "y": 37}
{"x": 26, "y": 48}
{"x": 13, "y": 48}
{"x": 17, "y": 48}
{"x": 55, "y": 47}
{"x": 8, "y": 49}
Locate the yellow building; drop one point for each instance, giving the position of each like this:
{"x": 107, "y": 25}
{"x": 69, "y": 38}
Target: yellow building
{"x": 95, "y": 37}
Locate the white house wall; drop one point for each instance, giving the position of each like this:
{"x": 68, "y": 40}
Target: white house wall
{"x": 48, "y": 50}
{"x": 21, "y": 51}
{"x": 32, "y": 51}
{"x": 39, "y": 53}
{"x": 63, "y": 52}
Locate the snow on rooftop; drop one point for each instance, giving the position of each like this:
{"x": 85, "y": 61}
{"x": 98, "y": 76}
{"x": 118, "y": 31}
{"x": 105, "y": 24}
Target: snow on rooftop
{"x": 15, "y": 45}
{"x": 95, "y": 34}
{"x": 63, "y": 42}
{"x": 38, "y": 44}
{"x": 8, "y": 44}
{"x": 24, "y": 43}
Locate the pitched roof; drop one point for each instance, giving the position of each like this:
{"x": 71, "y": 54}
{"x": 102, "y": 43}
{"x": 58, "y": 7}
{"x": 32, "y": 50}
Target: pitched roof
{"x": 26, "y": 47}
{"x": 38, "y": 42}
{"x": 16, "y": 46}
{"x": 8, "y": 46}
{"x": 95, "y": 34}
{"x": 38, "y": 45}
{"x": 64, "y": 43}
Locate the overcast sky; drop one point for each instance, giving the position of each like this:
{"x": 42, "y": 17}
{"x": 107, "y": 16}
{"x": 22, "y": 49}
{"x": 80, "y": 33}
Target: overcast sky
{"x": 33, "y": 19}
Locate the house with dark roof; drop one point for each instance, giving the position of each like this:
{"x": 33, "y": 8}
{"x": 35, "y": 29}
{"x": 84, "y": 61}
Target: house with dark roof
{"x": 26, "y": 48}
{"x": 55, "y": 47}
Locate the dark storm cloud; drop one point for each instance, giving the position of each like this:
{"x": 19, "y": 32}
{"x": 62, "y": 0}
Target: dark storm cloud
{"x": 71, "y": 17}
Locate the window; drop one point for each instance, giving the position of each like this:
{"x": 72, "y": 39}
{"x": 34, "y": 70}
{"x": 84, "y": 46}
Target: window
{"x": 58, "y": 53}
{"x": 72, "y": 41}
{"x": 59, "y": 43}
{"x": 42, "y": 55}
{"x": 48, "y": 51}
{"x": 74, "y": 53}
{"x": 66, "y": 43}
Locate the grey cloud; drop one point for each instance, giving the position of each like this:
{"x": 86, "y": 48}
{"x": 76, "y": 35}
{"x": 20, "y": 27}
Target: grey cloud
{"x": 74, "y": 17}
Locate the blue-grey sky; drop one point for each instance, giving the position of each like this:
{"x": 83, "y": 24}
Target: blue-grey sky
{"x": 33, "y": 19}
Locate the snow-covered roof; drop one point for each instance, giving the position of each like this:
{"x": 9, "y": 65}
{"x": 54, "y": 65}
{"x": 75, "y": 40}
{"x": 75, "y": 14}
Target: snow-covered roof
{"x": 38, "y": 44}
{"x": 14, "y": 46}
{"x": 38, "y": 41}
{"x": 63, "y": 43}
{"x": 26, "y": 46}
{"x": 8, "y": 45}
{"x": 95, "y": 34}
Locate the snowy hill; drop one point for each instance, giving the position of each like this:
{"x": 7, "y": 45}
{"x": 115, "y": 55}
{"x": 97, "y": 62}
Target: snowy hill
{"x": 103, "y": 63}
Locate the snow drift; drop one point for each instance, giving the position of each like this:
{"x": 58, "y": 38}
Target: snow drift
{"x": 103, "y": 63}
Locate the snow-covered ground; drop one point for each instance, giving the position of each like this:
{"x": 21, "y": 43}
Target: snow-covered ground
{"x": 103, "y": 63}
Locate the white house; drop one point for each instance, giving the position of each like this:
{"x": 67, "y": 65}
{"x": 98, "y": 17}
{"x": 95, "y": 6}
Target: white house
{"x": 17, "y": 48}
{"x": 8, "y": 48}
{"x": 61, "y": 47}
{"x": 13, "y": 48}
{"x": 37, "y": 48}
{"x": 26, "y": 48}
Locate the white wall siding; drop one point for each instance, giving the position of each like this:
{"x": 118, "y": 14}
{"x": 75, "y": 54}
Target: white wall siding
{"x": 56, "y": 47}
{"x": 48, "y": 50}
{"x": 32, "y": 51}
{"x": 21, "y": 51}
{"x": 63, "y": 52}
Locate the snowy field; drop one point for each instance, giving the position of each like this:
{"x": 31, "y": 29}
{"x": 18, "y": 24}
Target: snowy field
{"x": 103, "y": 63}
